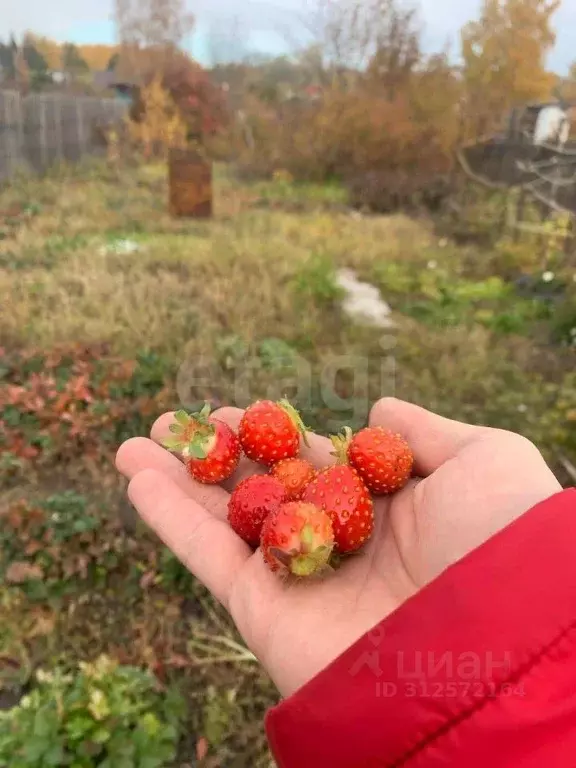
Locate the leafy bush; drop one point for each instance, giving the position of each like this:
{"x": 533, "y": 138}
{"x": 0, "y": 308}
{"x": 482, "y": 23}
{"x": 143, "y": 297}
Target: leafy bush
{"x": 160, "y": 126}
{"x": 388, "y": 191}
{"x": 173, "y": 575}
{"x": 316, "y": 281}
{"x": 275, "y": 354}
{"x": 564, "y": 321}
{"x": 102, "y": 716}
{"x": 73, "y": 400}
{"x": 391, "y": 146}
{"x": 52, "y": 545}
{"x": 439, "y": 296}
{"x": 200, "y": 103}
{"x": 512, "y": 258}
{"x": 476, "y": 217}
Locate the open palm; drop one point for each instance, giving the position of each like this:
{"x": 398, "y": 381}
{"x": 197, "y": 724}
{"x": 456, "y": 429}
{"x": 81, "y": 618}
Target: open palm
{"x": 472, "y": 482}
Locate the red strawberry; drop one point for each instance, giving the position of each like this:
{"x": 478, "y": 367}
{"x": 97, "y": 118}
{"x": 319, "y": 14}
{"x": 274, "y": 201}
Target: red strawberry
{"x": 271, "y": 431}
{"x": 382, "y": 458}
{"x": 250, "y": 504}
{"x": 297, "y": 538}
{"x": 294, "y": 474}
{"x": 208, "y": 446}
{"x": 340, "y": 491}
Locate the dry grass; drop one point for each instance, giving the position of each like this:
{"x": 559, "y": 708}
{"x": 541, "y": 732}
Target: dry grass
{"x": 188, "y": 283}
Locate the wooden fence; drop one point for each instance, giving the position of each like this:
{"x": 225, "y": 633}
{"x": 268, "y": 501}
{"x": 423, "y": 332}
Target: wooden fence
{"x": 39, "y": 130}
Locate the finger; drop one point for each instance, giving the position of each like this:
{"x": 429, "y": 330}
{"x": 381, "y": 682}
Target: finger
{"x": 139, "y": 453}
{"x": 232, "y": 416}
{"x": 318, "y": 452}
{"x": 207, "y": 546}
{"x": 161, "y": 429}
{"x": 432, "y": 438}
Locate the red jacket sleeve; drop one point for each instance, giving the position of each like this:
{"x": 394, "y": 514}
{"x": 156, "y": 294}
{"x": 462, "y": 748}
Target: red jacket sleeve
{"x": 478, "y": 669}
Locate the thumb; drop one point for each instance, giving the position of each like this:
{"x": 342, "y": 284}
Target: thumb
{"x": 433, "y": 439}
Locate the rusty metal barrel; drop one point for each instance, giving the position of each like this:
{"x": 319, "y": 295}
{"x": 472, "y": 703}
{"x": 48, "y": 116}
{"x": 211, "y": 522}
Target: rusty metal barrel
{"x": 190, "y": 184}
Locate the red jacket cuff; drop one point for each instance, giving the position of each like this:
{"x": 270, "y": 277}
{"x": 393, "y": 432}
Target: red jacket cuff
{"x": 470, "y": 637}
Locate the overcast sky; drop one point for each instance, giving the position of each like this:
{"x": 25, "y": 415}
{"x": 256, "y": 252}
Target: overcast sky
{"x": 266, "y": 25}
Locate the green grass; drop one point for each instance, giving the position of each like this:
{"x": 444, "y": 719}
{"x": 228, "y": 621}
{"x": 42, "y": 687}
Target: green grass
{"x": 229, "y": 309}
{"x": 283, "y": 191}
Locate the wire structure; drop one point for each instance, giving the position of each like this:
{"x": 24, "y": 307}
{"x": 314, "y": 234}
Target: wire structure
{"x": 535, "y": 153}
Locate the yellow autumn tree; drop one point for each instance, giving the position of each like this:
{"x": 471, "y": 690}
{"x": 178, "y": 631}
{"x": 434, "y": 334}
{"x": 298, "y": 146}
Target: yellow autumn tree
{"x": 49, "y": 49}
{"x": 160, "y": 126}
{"x": 97, "y": 56}
{"x": 504, "y": 54}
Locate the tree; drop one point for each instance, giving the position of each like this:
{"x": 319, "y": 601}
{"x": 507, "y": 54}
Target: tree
{"x": 397, "y": 46}
{"x": 161, "y": 126}
{"x": 113, "y": 62}
{"x": 504, "y": 55}
{"x": 50, "y": 50}
{"x": 199, "y": 102}
{"x": 7, "y": 62}
{"x": 158, "y": 26}
{"x": 97, "y": 57}
{"x": 23, "y": 75}
{"x": 34, "y": 59}
{"x": 160, "y": 23}
{"x": 352, "y": 32}
{"x": 72, "y": 61}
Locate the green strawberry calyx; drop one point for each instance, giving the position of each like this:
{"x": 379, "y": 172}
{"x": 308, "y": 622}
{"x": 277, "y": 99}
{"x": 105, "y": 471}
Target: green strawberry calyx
{"x": 294, "y": 415}
{"x": 192, "y": 435}
{"x": 312, "y": 562}
{"x": 309, "y": 558}
{"x": 341, "y": 443}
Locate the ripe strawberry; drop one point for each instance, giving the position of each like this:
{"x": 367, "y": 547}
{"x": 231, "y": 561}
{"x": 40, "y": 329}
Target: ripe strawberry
{"x": 297, "y": 538}
{"x": 294, "y": 474}
{"x": 209, "y": 448}
{"x": 382, "y": 458}
{"x": 340, "y": 491}
{"x": 270, "y": 431}
{"x": 253, "y": 499}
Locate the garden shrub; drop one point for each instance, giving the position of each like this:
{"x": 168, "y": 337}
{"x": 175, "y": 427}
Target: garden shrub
{"x": 103, "y": 715}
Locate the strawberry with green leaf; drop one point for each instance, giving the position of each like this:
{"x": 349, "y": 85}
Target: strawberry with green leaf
{"x": 297, "y": 539}
{"x": 209, "y": 447}
{"x": 382, "y": 458}
{"x": 270, "y": 432}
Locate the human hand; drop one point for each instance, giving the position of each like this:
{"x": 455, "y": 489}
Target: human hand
{"x": 472, "y": 482}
